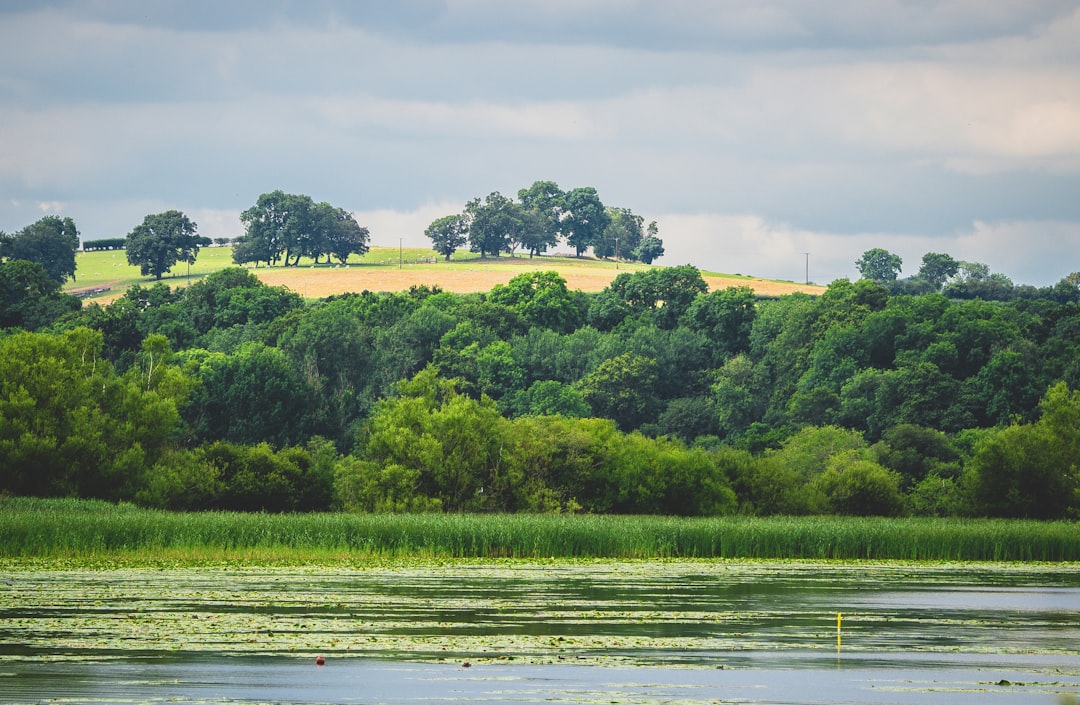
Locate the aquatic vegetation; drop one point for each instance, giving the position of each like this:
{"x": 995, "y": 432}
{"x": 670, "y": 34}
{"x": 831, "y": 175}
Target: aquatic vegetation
{"x": 90, "y": 531}
{"x": 689, "y": 613}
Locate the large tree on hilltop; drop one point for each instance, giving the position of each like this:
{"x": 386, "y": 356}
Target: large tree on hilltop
{"x": 162, "y": 240}
{"x": 586, "y": 219}
{"x": 278, "y": 224}
{"x": 547, "y": 204}
{"x": 339, "y": 234}
{"x": 448, "y": 233}
{"x": 622, "y": 235}
{"x": 495, "y": 223}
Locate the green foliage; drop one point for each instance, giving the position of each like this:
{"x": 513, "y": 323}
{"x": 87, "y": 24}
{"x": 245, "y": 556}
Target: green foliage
{"x": 624, "y": 233}
{"x": 447, "y": 234}
{"x": 336, "y": 234}
{"x": 335, "y": 355}
{"x": 879, "y": 265}
{"x": 856, "y": 486}
{"x": 50, "y": 242}
{"x": 916, "y": 452}
{"x": 542, "y": 300}
{"x": 366, "y": 486}
{"x": 494, "y": 224}
{"x": 664, "y": 293}
{"x": 937, "y": 268}
{"x": 105, "y": 243}
{"x": 585, "y": 218}
{"x": 253, "y": 395}
{"x": 725, "y": 317}
{"x": 29, "y": 299}
{"x": 1031, "y": 471}
{"x": 254, "y": 478}
{"x": 778, "y": 399}
{"x": 69, "y": 426}
{"x": 161, "y": 241}
{"x": 622, "y": 388}
{"x": 549, "y": 398}
{"x": 453, "y": 443}
{"x": 294, "y": 226}
{"x": 546, "y": 202}
{"x": 648, "y": 250}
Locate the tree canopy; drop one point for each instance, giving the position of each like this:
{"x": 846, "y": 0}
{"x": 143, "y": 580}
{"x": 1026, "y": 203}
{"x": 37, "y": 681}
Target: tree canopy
{"x": 655, "y": 395}
{"x": 879, "y": 264}
{"x": 162, "y": 240}
{"x": 290, "y": 226}
{"x": 543, "y": 216}
{"x": 50, "y": 242}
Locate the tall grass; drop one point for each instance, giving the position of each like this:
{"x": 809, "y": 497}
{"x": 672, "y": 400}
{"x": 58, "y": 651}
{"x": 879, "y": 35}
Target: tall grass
{"x": 31, "y": 528}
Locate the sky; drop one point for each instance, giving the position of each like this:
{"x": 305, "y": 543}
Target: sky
{"x": 774, "y": 138}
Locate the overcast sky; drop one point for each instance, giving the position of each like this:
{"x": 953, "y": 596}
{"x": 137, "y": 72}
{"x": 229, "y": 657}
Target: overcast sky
{"x": 753, "y": 132}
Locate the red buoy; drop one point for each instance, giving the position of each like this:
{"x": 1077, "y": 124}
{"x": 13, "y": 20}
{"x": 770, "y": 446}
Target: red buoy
{"x": 320, "y": 661}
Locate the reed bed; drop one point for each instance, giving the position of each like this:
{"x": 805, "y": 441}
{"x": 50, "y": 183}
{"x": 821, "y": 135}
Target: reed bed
{"x": 34, "y": 528}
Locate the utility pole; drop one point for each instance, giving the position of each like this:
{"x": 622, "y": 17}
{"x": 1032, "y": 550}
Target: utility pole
{"x": 616, "y": 253}
{"x": 807, "y": 268}
{"x": 399, "y": 252}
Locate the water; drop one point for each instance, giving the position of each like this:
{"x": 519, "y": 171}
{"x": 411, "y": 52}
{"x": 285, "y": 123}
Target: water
{"x": 627, "y": 632}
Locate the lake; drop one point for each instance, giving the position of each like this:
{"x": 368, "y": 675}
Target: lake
{"x": 531, "y": 632}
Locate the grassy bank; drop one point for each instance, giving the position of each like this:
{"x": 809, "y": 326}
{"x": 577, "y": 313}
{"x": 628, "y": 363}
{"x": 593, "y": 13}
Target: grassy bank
{"x": 52, "y": 529}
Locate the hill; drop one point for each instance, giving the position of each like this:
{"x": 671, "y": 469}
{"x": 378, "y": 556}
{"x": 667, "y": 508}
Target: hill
{"x": 388, "y": 269}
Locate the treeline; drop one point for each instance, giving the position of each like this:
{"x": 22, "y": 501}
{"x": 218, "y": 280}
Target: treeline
{"x": 542, "y": 217}
{"x": 278, "y": 225}
{"x": 652, "y": 396}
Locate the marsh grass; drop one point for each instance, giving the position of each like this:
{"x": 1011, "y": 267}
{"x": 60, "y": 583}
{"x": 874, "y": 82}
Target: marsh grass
{"x": 36, "y": 528}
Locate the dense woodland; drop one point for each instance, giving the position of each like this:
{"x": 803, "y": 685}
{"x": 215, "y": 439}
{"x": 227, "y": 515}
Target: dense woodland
{"x": 950, "y": 393}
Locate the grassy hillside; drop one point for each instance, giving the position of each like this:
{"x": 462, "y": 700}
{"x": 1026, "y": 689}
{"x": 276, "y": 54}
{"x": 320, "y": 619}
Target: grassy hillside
{"x": 385, "y": 269}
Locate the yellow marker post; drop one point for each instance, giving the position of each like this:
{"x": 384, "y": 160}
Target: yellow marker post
{"x": 839, "y": 619}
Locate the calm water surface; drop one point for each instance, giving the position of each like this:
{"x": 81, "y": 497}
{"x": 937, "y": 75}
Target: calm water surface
{"x": 626, "y": 632}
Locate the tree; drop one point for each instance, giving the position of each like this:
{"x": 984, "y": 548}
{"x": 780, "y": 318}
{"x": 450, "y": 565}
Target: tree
{"x": 254, "y": 395}
{"x": 51, "y": 242}
{"x": 494, "y": 224}
{"x": 278, "y": 224}
{"x": 937, "y": 268}
{"x": 725, "y": 317}
{"x": 541, "y": 299}
{"x": 547, "y": 202}
{"x": 915, "y": 452}
{"x": 855, "y": 486}
{"x": 623, "y": 388}
{"x": 1030, "y": 471}
{"x": 547, "y": 398}
{"x": 879, "y": 265}
{"x": 624, "y": 231}
{"x": 667, "y": 292}
{"x": 586, "y": 219}
{"x": 29, "y": 298}
{"x": 453, "y": 446}
{"x": 650, "y": 250}
{"x": 341, "y": 234}
{"x": 161, "y": 241}
{"x": 448, "y": 233}
{"x": 69, "y": 425}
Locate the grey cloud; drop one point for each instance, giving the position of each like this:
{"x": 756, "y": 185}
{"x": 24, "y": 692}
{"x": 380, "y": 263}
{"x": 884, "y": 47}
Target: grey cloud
{"x": 840, "y": 126}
